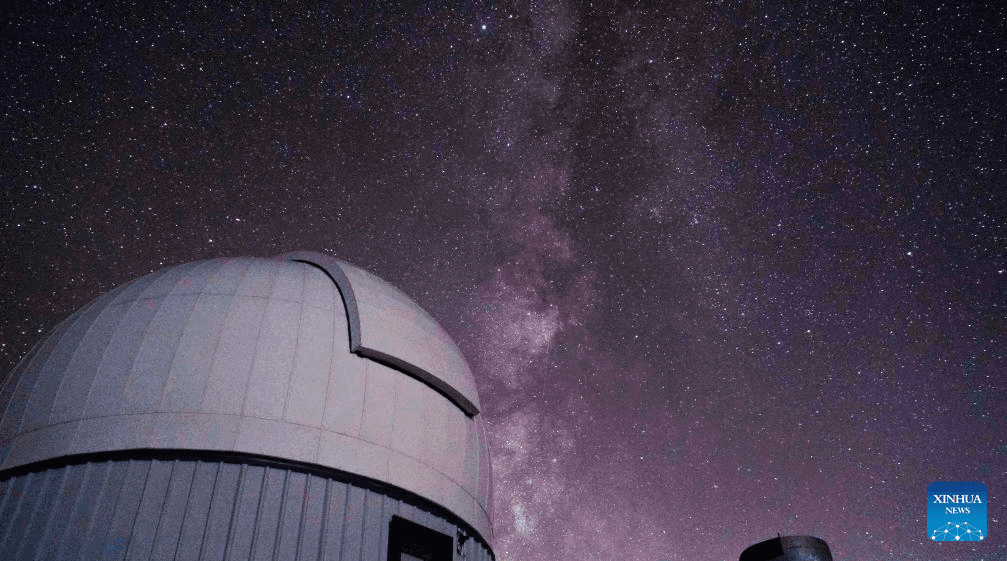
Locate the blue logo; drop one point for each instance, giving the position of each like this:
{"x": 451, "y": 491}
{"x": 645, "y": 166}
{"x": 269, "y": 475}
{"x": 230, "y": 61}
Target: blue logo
{"x": 956, "y": 511}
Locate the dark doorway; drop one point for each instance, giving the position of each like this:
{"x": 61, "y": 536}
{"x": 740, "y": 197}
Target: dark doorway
{"x": 409, "y": 541}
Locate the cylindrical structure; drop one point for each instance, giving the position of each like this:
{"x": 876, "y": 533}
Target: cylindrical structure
{"x": 788, "y": 548}
{"x": 287, "y": 408}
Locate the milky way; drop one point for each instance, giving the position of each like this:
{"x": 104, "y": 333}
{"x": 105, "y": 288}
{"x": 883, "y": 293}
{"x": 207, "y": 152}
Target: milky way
{"x": 721, "y": 271}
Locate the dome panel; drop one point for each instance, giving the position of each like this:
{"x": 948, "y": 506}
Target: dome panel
{"x": 192, "y": 360}
{"x": 319, "y": 293}
{"x": 277, "y": 438}
{"x": 164, "y": 282}
{"x": 233, "y": 358}
{"x": 288, "y": 284}
{"x": 228, "y": 276}
{"x": 396, "y": 330}
{"x": 344, "y": 398}
{"x": 58, "y": 349}
{"x": 121, "y": 362}
{"x": 377, "y": 421}
{"x": 161, "y": 340}
{"x": 38, "y": 445}
{"x": 77, "y": 363}
{"x": 309, "y": 377}
{"x": 258, "y": 278}
{"x": 40, "y": 390}
{"x": 386, "y": 325}
{"x": 193, "y": 431}
{"x": 408, "y": 435}
{"x": 277, "y": 338}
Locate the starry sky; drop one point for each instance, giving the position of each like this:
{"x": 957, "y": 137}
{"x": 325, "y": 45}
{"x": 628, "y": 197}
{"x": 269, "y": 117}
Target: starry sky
{"x": 721, "y": 270}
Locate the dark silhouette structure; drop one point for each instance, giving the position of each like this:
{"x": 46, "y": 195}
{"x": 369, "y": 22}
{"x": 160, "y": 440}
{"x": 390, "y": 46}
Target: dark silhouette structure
{"x": 788, "y": 548}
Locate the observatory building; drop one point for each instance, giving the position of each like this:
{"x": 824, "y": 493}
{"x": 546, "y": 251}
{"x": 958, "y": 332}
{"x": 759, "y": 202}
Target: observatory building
{"x": 288, "y": 408}
{"x": 788, "y": 548}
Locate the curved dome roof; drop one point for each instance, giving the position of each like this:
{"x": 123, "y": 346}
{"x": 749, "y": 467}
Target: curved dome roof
{"x": 300, "y": 357}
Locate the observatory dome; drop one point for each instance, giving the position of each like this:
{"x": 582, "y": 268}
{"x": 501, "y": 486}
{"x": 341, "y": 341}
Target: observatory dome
{"x": 300, "y": 358}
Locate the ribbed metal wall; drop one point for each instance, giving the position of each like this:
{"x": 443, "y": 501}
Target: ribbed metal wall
{"x": 205, "y": 510}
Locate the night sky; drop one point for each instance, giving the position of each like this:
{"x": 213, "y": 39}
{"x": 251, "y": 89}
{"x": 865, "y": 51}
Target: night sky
{"x": 721, "y": 271}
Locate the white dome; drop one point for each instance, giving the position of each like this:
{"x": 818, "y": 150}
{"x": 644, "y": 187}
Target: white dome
{"x": 300, "y": 357}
